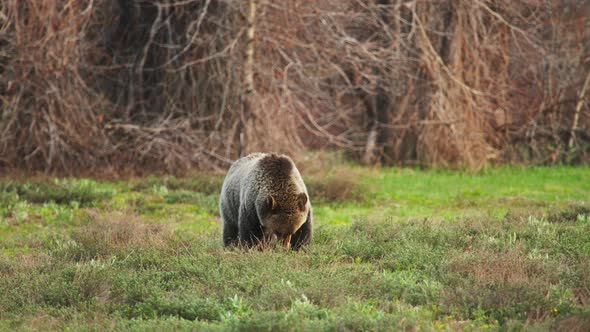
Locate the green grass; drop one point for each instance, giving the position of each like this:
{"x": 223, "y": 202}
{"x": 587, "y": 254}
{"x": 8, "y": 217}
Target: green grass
{"x": 504, "y": 249}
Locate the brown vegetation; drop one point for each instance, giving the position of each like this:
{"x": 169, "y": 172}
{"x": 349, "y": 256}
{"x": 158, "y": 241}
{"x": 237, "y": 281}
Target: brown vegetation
{"x": 174, "y": 85}
{"x": 116, "y": 230}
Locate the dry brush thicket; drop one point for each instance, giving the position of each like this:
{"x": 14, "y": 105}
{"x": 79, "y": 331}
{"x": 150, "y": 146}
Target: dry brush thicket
{"x": 180, "y": 84}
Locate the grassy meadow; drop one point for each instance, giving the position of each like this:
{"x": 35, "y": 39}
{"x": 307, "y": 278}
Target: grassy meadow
{"x": 507, "y": 248}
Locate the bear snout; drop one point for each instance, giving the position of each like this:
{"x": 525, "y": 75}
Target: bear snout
{"x": 285, "y": 229}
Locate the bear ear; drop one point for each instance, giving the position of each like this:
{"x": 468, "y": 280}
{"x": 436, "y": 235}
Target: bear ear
{"x": 271, "y": 203}
{"x": 302, "y": 201}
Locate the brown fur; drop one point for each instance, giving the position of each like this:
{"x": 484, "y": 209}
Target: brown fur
{"x": 276, "y": 204}
{"x": 277, "y": 170}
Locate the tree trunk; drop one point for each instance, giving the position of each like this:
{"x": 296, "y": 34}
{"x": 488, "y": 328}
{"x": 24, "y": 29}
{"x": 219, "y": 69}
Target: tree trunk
{"x": 247, "y": 102}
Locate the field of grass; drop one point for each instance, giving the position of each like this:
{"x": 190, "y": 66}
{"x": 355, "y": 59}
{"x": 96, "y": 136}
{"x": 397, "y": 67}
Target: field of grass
{"x": 402, "y": 249}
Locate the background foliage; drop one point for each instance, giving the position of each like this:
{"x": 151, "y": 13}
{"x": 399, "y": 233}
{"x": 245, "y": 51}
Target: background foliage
{"x": 163, "y": 85}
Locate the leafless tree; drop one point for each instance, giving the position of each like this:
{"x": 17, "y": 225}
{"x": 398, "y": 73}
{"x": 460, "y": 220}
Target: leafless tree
{"x": 179, "y": 84}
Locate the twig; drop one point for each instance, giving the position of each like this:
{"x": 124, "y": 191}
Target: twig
{"x": 581, "y": 98}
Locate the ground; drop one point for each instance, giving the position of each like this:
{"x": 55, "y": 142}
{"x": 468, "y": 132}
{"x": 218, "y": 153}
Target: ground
{"x": 402, "y": 248}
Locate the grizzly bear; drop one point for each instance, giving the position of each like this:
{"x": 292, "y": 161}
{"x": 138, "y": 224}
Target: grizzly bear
{"x": 263, "y": 196}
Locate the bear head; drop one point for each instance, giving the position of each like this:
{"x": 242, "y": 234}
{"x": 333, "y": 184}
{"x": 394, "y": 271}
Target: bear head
{"x": 284, "y": 216}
